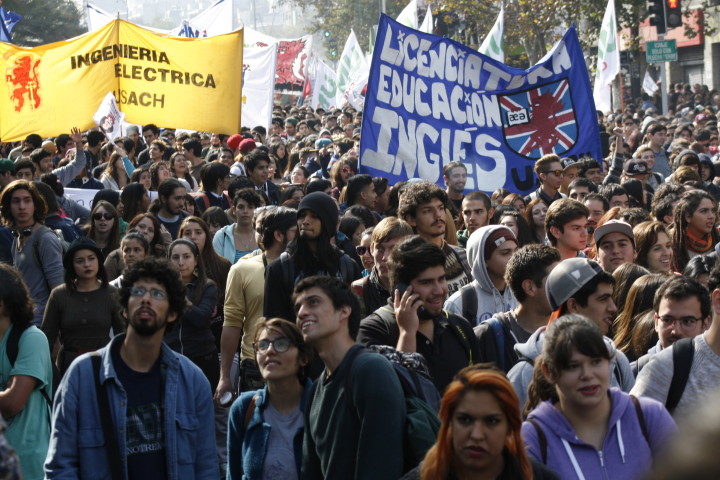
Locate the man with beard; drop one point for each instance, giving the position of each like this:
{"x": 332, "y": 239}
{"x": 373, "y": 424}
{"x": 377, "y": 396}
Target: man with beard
{"x": 312, "y": 253}
{"x": 145, "y": 410}
{"x": 168, "y": 208}
{"x": 455, "y": 178}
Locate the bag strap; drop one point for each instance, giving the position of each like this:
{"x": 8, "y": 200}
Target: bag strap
{"x": 36, "y": 251}
{"x": 499, "y": 335}
{"x": 349, "y": 379}
{"x": 457, "y": 329}
{"x": 469, "y": 299}
{"x": 205, "y": 199}
{"x": 250, "y": 411}
{"x": 12, "y": 349}
{"x": 286, "y": 265}
{"x": 111, "y": 443}
{"x": 641, "y": 418}
{"x": 683, "y": 353}
{"x": 542, "y": 439}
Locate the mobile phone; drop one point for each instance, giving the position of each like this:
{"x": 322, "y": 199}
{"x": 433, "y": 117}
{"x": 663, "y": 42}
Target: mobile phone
{"x": 421, "y": 311}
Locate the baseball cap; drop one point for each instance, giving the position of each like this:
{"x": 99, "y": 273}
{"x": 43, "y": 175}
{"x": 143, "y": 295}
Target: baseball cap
{"x": 569, "y": 162}
{"x": 635, "y": 167}
{"x": 568, "y": 277}
{"x": 614, "y": 226}
{"x": 322, "y": 142}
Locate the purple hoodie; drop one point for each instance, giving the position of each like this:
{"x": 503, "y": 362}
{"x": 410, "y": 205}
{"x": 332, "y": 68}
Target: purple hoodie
{"x": 625, "y": 453}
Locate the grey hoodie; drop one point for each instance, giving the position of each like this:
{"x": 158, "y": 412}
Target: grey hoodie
{"x": 521, "y": 374}
{"x": 490, "y": 300}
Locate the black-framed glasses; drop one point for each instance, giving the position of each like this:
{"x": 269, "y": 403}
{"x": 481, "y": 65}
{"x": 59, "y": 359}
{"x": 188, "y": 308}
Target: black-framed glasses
{"x": 100, "y": 216}
{"x": 361, "y": 250}
{"x": 155, "y": 293}
{"x": 280, "y": 345}
{"x": 557, "y": 173}
{"x": 687, "y": 322}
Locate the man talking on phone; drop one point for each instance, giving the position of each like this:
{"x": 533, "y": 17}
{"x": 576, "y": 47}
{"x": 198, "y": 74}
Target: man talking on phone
{"x": 414, "y": 319}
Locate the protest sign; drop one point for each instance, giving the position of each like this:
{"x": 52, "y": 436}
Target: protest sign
{"x": 431, "y": 101}
{"x": 173, "y": 82}
{"x": 109, "y": 117}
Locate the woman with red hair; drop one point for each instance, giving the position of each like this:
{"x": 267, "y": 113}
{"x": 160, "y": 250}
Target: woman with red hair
{"x": 480, "y": 433}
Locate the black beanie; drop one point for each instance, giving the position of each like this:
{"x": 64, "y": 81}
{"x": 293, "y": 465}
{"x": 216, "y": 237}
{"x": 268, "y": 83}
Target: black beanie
{"x": 324, "y": 206}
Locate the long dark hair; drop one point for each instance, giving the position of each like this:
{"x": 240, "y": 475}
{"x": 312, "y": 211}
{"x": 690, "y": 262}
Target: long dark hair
{"x": 131, "y": 197}
{"x": 113, "y": 241}
{"x": 15, "y": 296}
{"x": 689, "y": 202}
{"x": 325, "y": 258}
{"x": 71, "y": 275}
{"x": 199, "y": 274}
{"x": 216, "y": 267}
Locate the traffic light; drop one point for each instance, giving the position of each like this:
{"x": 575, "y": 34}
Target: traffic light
{"x": 656, "y": 11}
{"x": 673, "y": 14}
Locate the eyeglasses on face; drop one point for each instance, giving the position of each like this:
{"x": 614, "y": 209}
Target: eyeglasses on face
{"x": 686, "y": 322}
{"x": 155, "y": 293}
{"x": 280, "y": 345}
{"x": 106, "y": 216}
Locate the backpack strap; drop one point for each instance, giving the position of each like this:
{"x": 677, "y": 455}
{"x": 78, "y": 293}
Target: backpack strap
{"x": 458, "y": 331}
{"x": 683, "y": 353}
{"x": 349, "y": 379}
{"x": 205, "y": 199}
{"x": 499, "y": 335}
{"x": 641, "y": 418}
{"x": 542, "y": 439}
{"x": 111, "y": 443}
{"x": 287, "y": 271}
{"x": 469, "y": 299}
{"x": 12, "y": 349}
{"x": 36, "y": 251}
{"x": 250, "y": 411}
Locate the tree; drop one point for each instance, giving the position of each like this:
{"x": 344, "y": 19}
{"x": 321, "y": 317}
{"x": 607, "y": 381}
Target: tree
{"x": 45, "y": 21}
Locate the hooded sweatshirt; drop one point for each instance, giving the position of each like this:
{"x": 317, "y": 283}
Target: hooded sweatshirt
{"x": 626, "y": 453}
{"x": 521, "y": 374}
{"x": 489, "y": 299}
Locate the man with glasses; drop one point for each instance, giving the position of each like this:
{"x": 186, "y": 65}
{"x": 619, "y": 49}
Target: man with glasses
{"x": 549, "y": 171}
{"x": 684, "y": 376}
{"x": 682, "y": 309}
{"x": 149, "y": 409}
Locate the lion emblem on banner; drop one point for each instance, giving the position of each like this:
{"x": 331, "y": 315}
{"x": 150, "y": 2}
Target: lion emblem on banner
{"x": 290, "y": 70}
{"x": 23, "y": 82}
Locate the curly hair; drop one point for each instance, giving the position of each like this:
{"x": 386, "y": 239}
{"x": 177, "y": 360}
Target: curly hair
{"x": 15, "y": 296}
{"x": 416, "y": 194}
{"x": 163, "y": 273}
{"x": 37, "y": 198}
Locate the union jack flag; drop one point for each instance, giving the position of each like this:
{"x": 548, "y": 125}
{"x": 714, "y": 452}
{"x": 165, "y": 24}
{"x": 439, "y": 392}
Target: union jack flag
{"x": 540, "y": 120}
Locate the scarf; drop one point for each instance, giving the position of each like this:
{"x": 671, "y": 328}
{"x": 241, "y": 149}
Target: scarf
{"x": 699, "y": 245}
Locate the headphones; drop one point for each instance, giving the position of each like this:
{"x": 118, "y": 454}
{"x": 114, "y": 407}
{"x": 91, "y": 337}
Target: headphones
{"x": 25, "y": 232}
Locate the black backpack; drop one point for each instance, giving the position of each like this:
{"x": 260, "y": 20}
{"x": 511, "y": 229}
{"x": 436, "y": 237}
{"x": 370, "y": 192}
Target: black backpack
{"x": 683, "y": 353}
{"x": 12, "y": 349}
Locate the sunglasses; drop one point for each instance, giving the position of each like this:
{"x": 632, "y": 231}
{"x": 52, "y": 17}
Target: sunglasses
{"x": 362, "y": 250}
{"x": 280, "y": 344}
{"x": 106, "y": 216}
{"x": 557, "y": 173}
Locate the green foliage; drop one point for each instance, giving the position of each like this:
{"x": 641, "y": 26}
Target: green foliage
{"x": 45, "y": 21}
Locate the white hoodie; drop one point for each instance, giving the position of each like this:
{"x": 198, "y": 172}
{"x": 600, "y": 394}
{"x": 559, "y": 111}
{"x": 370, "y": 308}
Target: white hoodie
{"x": 490, "y": 300}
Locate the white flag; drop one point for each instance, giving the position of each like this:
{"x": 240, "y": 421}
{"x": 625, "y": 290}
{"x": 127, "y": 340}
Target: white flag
{"x": 351, "y": 62}
{"x": 354, "y": 92}
{"x": 216, "y": 20}
{"x": 258, "y": 85}
{"x": 608, "y": 65}
{"x": 493, "y": 45}
{"x": 649, "y": 85}
{"x": 408, "y": 16}
{"x": 96, "y": 17}
{"x": 428, "y": 26}
{"x": 325, "y": 87}
{"x": 109, "y": 117}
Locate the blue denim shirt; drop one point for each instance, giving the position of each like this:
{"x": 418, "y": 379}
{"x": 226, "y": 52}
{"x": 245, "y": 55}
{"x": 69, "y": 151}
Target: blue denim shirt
{"x": 247, "y": 447}
{"x": 77, "y": 445}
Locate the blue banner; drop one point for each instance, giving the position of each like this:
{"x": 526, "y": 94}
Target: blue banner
{"x": 431, "y": 101}
{"x": 7, "y": 23}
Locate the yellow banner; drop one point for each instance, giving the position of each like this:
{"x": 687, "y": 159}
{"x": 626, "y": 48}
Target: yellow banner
{"x": 193, "y": 84}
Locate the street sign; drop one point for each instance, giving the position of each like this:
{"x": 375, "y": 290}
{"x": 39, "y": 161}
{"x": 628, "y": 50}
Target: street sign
{"x": 661, "y": 51}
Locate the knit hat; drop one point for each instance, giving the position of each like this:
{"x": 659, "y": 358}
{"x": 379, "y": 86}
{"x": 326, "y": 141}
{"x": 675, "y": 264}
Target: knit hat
{"x": 247, "y": 146}
{"x": 497, "y": 238}
{"x": 324, "y": 206}
{"x": 568, "y": 277}
{"x": 82, "y": 243}
{"x": 234, "y": 141}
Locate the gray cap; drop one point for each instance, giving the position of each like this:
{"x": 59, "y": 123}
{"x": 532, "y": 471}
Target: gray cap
{"x": 614, "y": 226}
{"x": 568, "y": 278}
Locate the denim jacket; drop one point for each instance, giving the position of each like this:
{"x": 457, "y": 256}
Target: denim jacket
{"x": 77, "y": 441}
{"x": 247, "y": 448}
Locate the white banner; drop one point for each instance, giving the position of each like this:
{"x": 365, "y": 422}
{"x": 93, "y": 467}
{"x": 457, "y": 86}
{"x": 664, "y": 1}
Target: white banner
{"x": 216, "y": 20}
{"x": 649, "y": 85}
{"x": 428, "y": 26}
{"x": 258, "y": 85}
{"x": 608, "y": 65}
{"x": 352, "y": 61}
{"x": 324, "y": 88}
{"x": 408, "y": 16}
{"x": 109, "y": 117}
{"x": 492, "y": 46}
{"x": 85, "y": 197}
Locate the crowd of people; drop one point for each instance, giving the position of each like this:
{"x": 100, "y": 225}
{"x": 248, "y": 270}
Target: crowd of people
{"x": 250, "y": 306}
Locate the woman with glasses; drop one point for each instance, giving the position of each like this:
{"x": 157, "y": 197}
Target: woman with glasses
{"x": 104, "y": 228}
{"x": 191, "y": 334}
{"x": 81, "y": 312}
{"x": 582, "y": 428}
{"x": 265, "y": 431}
